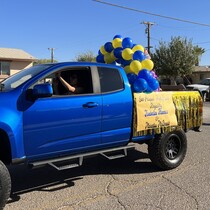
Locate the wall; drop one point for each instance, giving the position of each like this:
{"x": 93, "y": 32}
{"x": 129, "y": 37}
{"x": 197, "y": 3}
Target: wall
{"x": 16, "y": 66}
{"x": 200, "y": 73}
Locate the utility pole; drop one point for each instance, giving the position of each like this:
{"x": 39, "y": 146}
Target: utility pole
{"x": 52, "y": 54}
{"x": 147, "y": 31}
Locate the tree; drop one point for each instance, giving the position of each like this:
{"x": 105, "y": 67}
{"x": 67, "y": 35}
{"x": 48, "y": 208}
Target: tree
{"x": 176, "y": 58}
{"x": 88, "y": 56}
{"x": 42, "y": 61}
{"x": 198, "y": 52}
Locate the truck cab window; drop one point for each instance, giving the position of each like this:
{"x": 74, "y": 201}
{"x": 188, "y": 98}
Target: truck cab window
{"x": 72, "y": 82}
{"x": 110, "y": 79}
{"x": 80, "y": 78}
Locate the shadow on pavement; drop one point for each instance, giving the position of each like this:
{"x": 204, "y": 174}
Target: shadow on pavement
{"x": 207, "y": 124}
{"x": 49, "y": 179}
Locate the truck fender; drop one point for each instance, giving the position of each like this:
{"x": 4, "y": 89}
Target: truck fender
{"x": 14, "y": 140}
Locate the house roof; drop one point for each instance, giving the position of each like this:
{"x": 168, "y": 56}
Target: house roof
{"x": 202, "y": 69}
{"x": 15, "y": 54}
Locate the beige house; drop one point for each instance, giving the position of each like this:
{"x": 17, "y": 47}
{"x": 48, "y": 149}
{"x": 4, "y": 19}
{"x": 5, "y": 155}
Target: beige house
{"x": 200, "y": 73}
{"x": 14, "y": 60}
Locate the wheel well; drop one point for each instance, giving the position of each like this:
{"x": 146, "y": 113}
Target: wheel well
{"x": 5, "y": 148}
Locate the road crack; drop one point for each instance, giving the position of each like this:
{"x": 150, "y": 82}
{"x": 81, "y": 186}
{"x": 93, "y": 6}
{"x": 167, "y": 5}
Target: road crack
{"x": 108, "y": 191}
{"x": 183, "y": 190}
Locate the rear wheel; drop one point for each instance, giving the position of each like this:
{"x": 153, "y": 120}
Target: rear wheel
{"x": 5, "y": 185}
{"x": 168, "y": 150}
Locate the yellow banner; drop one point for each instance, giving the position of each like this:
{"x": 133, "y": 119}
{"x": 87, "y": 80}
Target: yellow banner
{"x": 154, "y": 110}
{"x": 160, "y": 112}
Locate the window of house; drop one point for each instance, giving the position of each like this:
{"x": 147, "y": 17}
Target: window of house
{"x": 4, "y": 68}
{"x": 110, "y": 79}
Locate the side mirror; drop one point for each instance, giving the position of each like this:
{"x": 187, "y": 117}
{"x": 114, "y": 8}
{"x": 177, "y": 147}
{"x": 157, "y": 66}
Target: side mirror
{"x": 42, "y": 90}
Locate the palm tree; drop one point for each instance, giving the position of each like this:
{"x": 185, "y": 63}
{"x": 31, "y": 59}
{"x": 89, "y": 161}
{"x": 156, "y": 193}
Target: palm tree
{"x": 198, "y": 51}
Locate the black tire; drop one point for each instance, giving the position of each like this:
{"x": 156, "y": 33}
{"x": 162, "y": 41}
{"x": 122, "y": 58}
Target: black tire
{"x": 5, "y": 185}
{"x": 204, "y": 94}
{"x": 168, "y": 150}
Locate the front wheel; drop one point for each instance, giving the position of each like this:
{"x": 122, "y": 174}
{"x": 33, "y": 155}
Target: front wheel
{"x": 168, "y": 150}
{"x": 5, "y": 185}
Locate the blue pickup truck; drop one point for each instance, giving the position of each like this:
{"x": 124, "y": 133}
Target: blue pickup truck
{"x": 40, "y": 123}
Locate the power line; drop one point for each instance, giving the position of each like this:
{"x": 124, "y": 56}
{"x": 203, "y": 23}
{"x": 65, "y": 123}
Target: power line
{"x": 203, "y": 42}
{"x": 153, "y": 14}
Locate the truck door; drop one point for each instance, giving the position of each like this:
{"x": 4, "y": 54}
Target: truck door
{"x": 117, "y": 107}
{"x": 62, "y": 124}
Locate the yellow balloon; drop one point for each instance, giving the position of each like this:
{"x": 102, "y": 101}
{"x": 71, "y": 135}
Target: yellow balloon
{"x": 147, "y": 64}
{"x": 127, "y": 54}
{"x": 112, "y": 55}
{"x": 102, "y": 50}
{"x": 117, "y": 42}
{"x": 138, "y": 47}
{"x": 135, "y": 66}
{"x": 108, "y": 58}
{"x": 127, "y": 69}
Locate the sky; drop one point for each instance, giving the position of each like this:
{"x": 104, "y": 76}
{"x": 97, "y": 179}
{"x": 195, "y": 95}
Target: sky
{"x": 74, "y": 27}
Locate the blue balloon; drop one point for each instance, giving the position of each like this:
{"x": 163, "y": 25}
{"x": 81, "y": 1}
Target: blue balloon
{"x": 140, "y": 85}
{"x": 138, "y": 55}
{"x": 153, "y": 84}
{"x": 99, "y": 52}
{"x": 127, "y": 42}
{"x": 108, "y": 47}
{"x": 125, "y": 62}
{"x": 148, "y": 90}
{"x": 114, "y": 63}
{"x": 145, "y": 74}
{"x": 118, "y": 61}
{"x": 100, "y": 58}
{"x": 131, "y": 78}
{"x": 118, "y": 52}
{"x": 117, "y": 36}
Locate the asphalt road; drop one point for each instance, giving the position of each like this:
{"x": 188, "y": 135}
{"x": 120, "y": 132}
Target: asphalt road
{"x": 128, "y": 183}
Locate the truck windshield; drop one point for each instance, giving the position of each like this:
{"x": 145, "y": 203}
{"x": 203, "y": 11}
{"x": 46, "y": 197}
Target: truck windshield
{"x": 17, "y": 79}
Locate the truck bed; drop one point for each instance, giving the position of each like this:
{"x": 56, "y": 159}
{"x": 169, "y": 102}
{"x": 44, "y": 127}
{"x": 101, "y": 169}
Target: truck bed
{"x": 165, "y": 111}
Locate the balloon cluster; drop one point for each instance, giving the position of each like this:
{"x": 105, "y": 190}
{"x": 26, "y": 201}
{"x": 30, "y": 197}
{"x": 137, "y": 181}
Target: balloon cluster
{"x": 134, "y": 59}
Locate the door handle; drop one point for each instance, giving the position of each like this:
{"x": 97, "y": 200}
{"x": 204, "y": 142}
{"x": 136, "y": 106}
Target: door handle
{"x": 90, "y": 105}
